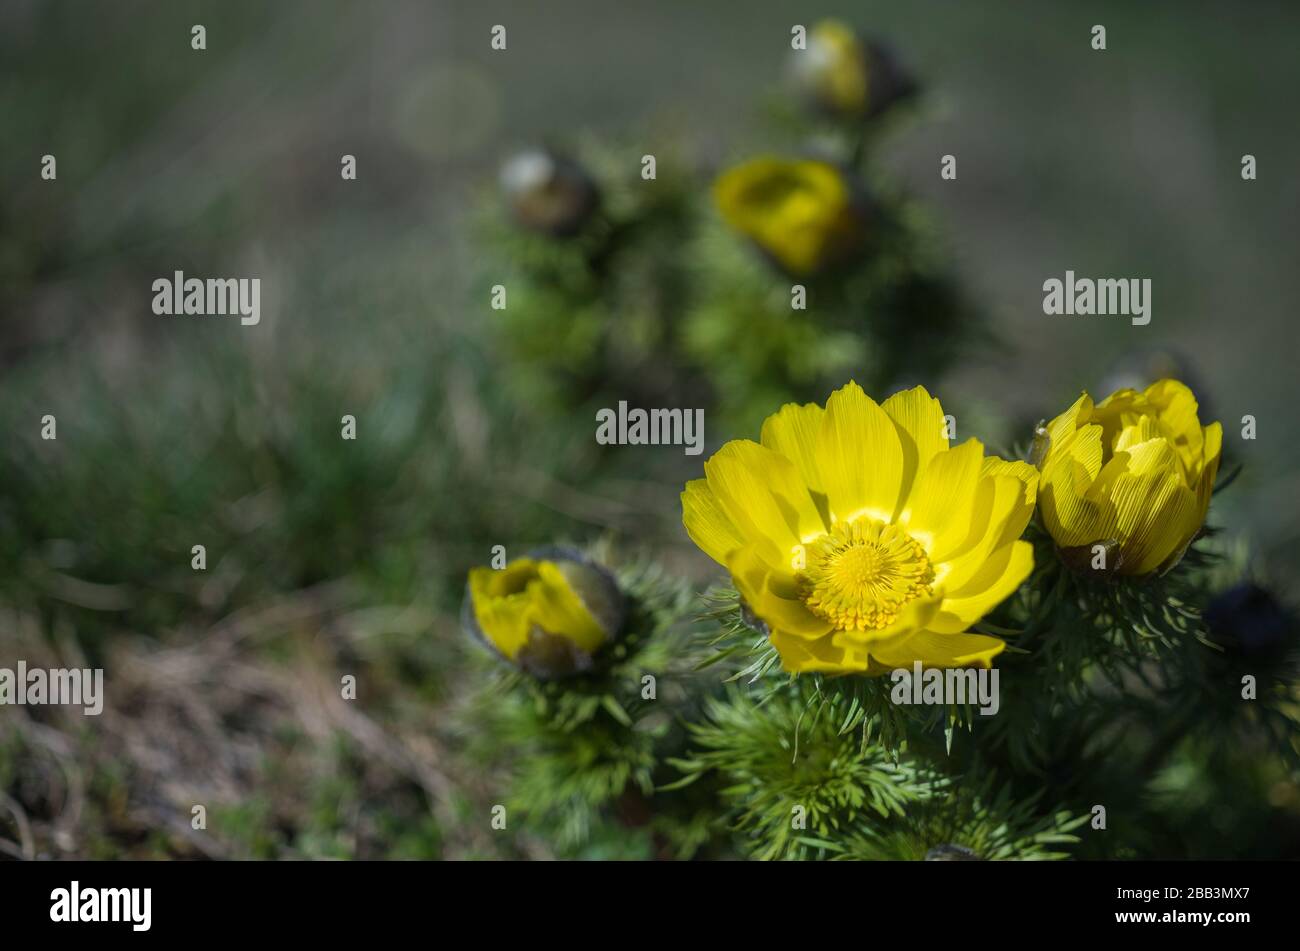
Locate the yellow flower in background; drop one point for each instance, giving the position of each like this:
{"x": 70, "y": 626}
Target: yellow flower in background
{"x": 801, "y": 212}
{"x": 860, "y": 538}
{"x": 548, "y": 616}
{"x": 844, "y": 75}
{"x": 833, "y": 68}
{"x": 1133, "y": 473}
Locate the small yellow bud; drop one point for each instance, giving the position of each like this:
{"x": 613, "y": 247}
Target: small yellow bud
{"x": 548, "y": 613}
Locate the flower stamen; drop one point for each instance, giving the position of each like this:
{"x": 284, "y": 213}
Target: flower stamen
{"x": 862, "y": 573}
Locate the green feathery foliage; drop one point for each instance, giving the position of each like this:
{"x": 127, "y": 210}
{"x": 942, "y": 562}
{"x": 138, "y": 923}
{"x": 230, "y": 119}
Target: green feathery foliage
{"x": 791, "y": 780}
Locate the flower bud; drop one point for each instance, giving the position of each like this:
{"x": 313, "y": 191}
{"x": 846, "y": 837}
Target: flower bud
{"x": 1139, "y": 367}
{"x": 548, "y": 193}
{"x": 806, "y": 215}
{"x": 1126, "y": 483}
{"x": 548, "y": 613}
{"x": 843, "y": 75}
{"x": 1248, "y": 622}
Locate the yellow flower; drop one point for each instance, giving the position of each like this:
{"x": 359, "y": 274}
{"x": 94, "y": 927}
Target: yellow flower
{"x": 833, "y": 69}
{"x": 548, "y": 616}
{"x": 803, "y": 213}
{"x": 1133, "y": 473}
{"x": 844, "y": 75}
{"x": 860, "y": 538}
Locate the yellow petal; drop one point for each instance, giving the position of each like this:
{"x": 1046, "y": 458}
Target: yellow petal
{"x": 706, "y": 522}
{"x": 939, "y": 511}
{"x": 561, "y": 612}
{"x": 1028, "y": 478}
{"x": 765, "y": 498}
{"x": 1000, "y": 511}
{"x": 1209, "y": 468}
{"x": 1069, "y": 421}
{"x": 788, "y": 615}
{"x": 1070, "y": 514}
{"x": 504, "y": 620}
{"x": 1213, "y": 436}
{"x": 749, "y": 571}
{"x": 1084, "y": 449}
{"x": 1176, "y": 405}
{"x": 1156, "y": 515}
{"x": 1001, "y": 516}
{"x": 1145, "y": 429}
{"x": 912, "y": 617}
{"x": 800, "y": 656}
{"x": 1004, "y": 572}
{"x": 1027, "y": 474}
{"x": 922, "y": 430}
{"x": 792, "y": 432}
{"x": 933, "y": 649}
{"x": 860, "y": 457}
{"x": 1153, "y": 455}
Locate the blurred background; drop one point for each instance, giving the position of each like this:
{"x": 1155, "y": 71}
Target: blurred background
{"x": 330, "y": 557}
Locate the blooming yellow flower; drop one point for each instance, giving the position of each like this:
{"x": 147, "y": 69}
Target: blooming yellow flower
{"x": 1133, "y": 473}
{"x": 548, "y": 616}
{"x": 860, "y": 538}
{"x": 801, "y": 212}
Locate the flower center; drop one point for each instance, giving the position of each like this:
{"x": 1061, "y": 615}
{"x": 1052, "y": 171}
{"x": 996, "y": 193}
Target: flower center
{"x": 862, "y": 572}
